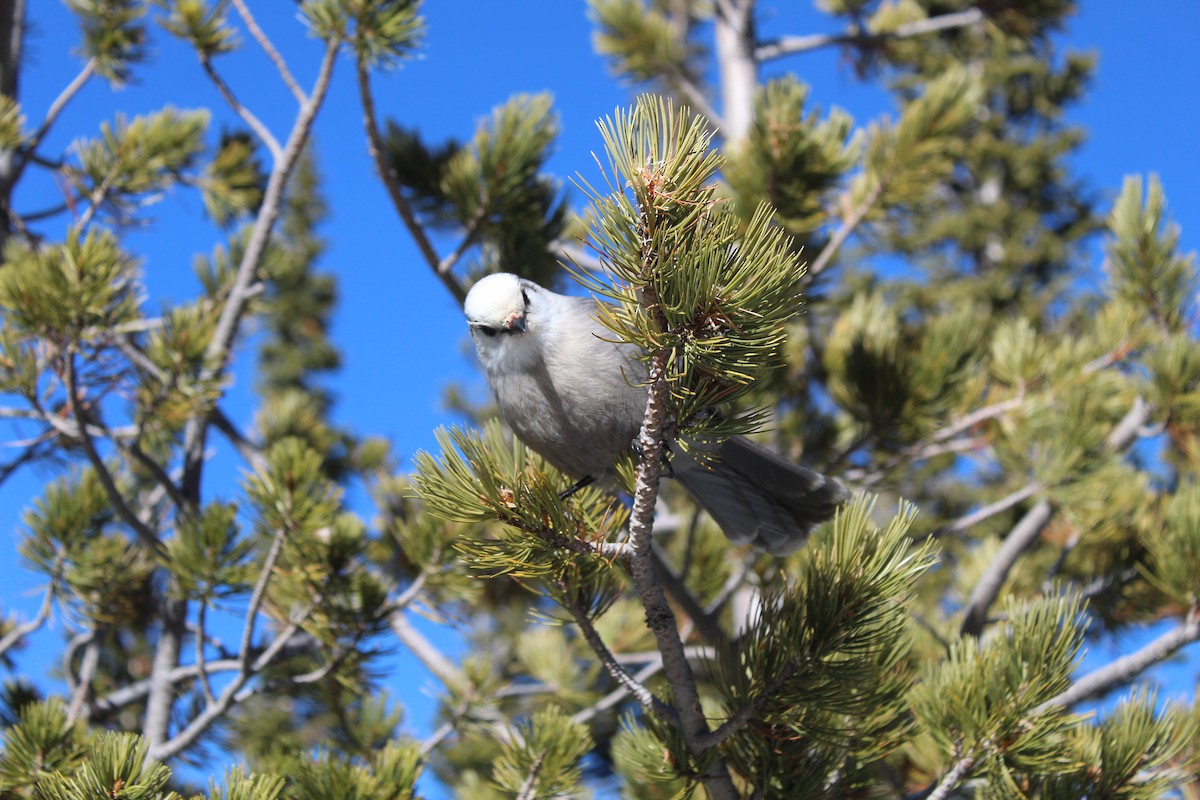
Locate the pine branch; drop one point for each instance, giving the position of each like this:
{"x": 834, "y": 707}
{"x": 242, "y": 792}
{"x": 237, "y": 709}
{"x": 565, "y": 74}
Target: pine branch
{"x": 620, "y": 693}
{"x": 87, "y": 673}
{"x": 403, "y": 208}
{"x": 147, "y": 536}
{"x": 659, "y": 617}
{"x": 791, "y": 45}
{"x": 265, "y": 43}
{"x": 243, "y": 290}
{"x": 299, "y": 645}
{"x": 260, "y": 129}
{"x": 201, "y": 639}
{"x": 704, "y": 620}
{"x": 954, "y": 777}
{"x": 425, "y": 651}
{"x": 52, "y": 114}
{"x": 1026, "y": 532}
{"x": 618, "y": 672}
{"x": 1019, "y": 539}
{"x": 23, "y": 629}
{"x": 238, "y": 692}
{"x": 990, "y": 510}
{"x": 1124, "y": 669}
{"x": 847, "y": 227}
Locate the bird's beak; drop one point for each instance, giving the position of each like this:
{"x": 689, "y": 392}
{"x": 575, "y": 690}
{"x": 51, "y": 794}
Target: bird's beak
{"x": 516, "y": 322}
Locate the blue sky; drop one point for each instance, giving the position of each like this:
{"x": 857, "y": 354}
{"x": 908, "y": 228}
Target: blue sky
{"x": 401, "y": 334}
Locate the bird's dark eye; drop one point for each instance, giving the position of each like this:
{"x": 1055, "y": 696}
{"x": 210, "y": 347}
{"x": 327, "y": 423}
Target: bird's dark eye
{"x": 525, "y": 298}
{"x": 487, "y": 330}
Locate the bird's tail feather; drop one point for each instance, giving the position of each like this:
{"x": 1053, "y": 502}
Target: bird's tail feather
{"x": 758, "y": 497}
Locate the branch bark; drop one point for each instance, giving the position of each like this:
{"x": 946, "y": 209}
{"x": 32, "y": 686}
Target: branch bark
{"x": 791, "y": 45}
{"x": 403, "y": 208}
{"x": 1126, "y": 668}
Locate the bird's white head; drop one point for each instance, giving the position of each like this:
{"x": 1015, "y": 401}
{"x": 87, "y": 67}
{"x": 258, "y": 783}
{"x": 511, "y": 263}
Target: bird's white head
{"x": 497, "y": 309}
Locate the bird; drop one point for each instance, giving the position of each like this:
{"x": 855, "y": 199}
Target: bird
{"x": 578, "y": 398}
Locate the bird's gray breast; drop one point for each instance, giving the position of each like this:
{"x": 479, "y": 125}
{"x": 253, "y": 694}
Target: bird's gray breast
{"x": 580, "y": 404}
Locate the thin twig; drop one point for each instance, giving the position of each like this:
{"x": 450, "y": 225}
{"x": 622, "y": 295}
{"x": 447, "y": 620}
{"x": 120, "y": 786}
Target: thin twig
{"x": 1020, "y": 539}
{"x": 201, "y": 640}
{"x": 388, "y": 176}
{"x": 260, "y": 129}
{"x": 791, "y": 45}
{"x": 87, "y": 673}
{"x": 990, "y": 510}
{"x": 243, "y": 290}
{"x": 843, "y": 232}
{"x": 259, "y": 593}
{"x": 618, "y": 694}
{"x": 236, "y": 692}
{"x": 298, "y": 645}
{"x": 265, "y": 43}
{"x": 22, "y": 630}
{"x": 529, "y": 788}
{"x": 618, "y": 672}
{"x": 952, "y": 778}
{"x": 56, "y": 108}
{"x": 148, "y": 537}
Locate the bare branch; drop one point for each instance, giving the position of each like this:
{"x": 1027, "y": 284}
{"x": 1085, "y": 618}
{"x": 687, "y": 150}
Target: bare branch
{"x": 991, "y": 509}
{"x": 705, "y": 621}
{"x": 297, "y": 645}
{"x": 260, "y": 130}
{"x": 1020, "y": 539}
{"x": 618, "y": 672}
{"x": 147, "y": 536}
{"x": 953, "y": 777}
{"x": 201, "y": 639}
{"x": 22, "y": 630}
{"x": 849, "y": 224}
{"x": 1130, "y": 426}
{"x": 791, "y": 45}
{"x": 87, "y": 673}
{"x": 529, "y": 788}
{"x": 1126, "y": 668}
{"x": 403, "y": 208}
{"x": 425, "y": 651}
{"x": 246, "y": 448}
{"x": 56, "y": 108}
{"x": 256, "y": 597}
{"x": 272, "y": 53}
{"x": 243, "y": 288}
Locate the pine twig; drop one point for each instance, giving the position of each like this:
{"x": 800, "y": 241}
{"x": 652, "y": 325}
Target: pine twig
{"x": 23, "y": 629}
{"x": 265, "y": 43}
{"x": 87, "y": 673}
{"x": 1026, "y": 532}
{"x": 147, "y": 536}
{"x": 1020, "y": 539}
{"x": 134, "y": 692}
{"x": 1127, "y": 667}
{"x": 991, "y": 509}
{"x": 260, "y": 129}
{"x": 792, "y": 45}
{"x": 388, "y": 176}
{"x": 618, "y": 672}
{"x": 953, "y": 777}
{"x": 425, "y": 651}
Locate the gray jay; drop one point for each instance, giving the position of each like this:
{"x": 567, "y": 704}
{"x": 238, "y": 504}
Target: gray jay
{"x": 575, "y": 397}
